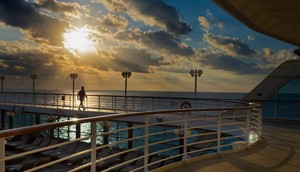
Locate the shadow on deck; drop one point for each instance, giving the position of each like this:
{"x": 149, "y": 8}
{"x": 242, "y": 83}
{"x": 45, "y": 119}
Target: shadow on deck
{"x": 278, "y": 150}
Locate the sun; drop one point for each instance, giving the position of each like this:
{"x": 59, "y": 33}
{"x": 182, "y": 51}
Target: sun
{"x": 78, "y": 39}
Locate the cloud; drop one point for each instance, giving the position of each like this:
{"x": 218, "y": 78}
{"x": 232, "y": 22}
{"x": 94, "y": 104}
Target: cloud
{"x": 220, "y": 25}
{"x": 232, "y": 64}
{"x": 250, "y": 37}
{"x": 112, "y": 20}
{"x": 280, "y": 56}
{"x": 22, "y": 63}
{"x": 232, "y": 46}
{"x": 42, "y": 27}
{"x": 56, "y": 6}
{"x": 204, "y": 23}
{"x": 267, "y": 53}
{"x": 134, "y": 60}
{"x": 157, "y": 41}
{"x": 124, "y": 58}
{"x": 154, "y": 13}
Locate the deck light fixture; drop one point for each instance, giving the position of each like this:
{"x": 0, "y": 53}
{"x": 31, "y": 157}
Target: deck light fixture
{"x": 126, "y": 75}
{"x": 2, "y": 77}
{"x": 73, "y": 77}
{"x": 196, "y": 73}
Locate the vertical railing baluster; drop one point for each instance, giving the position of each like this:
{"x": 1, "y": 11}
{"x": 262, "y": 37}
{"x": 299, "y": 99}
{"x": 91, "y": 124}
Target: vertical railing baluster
{"x": 248, "y": 125}
{"x": 57, "y": 101}
{"x": 2, "y": 154}
{"x": 146, "y": 147}
{"x": 142, "y": 104}
{"x": 45, "y": 100}
{"x": 219, "y": 132}
{"x": 184, "y": 156}
{"x": 99, "y": 105}
{"x": 93, "y": 146}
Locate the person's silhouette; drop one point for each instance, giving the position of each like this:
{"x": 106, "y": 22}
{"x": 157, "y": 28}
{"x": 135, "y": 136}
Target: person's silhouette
{"x": 81, "y": 94}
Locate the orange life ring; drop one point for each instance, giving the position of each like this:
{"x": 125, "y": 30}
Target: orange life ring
{"x": 185, "y": 105}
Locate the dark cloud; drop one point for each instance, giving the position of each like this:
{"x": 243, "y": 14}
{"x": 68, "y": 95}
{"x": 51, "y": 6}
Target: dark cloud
{"x": 159, "y": 41}
{"x": 21, "y": 64}
{"x": 152, "y": 12}
{"x": 19, "y": 13}
{"x": 122, "y": 58}
{"x": 232, "y": 46}
{"x": 134, "y": 60}
{"x": 232, "y": 64}
{"x": 57, "y": 6}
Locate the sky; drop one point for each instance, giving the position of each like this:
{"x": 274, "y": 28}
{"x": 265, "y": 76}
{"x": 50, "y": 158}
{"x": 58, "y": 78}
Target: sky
{"x": 159, "y": 41}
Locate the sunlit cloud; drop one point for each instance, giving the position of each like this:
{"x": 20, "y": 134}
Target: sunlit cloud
{"x": 204, "y": 23}
{"x": 155, "y": 13}
{"x": 231, "y": 46}
{"x": 41, "y": 27}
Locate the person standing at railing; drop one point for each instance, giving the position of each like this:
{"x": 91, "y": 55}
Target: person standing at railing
{"x": 81, "y": 94}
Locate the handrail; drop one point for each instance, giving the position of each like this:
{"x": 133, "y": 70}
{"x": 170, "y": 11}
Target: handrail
{"x": 220, "y": 126}
{"x": 29, "y": 129}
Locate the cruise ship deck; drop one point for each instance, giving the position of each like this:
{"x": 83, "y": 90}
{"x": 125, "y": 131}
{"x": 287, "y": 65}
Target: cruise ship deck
{"x": 278, "y": 150}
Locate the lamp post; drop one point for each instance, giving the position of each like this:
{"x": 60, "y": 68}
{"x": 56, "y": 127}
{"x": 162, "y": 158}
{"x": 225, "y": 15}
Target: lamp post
{"x": 196, "y": 73}
{"x": 2, "y": 77}
{"x": 126, "y": 75}
{"x": 73, "y": 77}
{"x": 33, "y": 77}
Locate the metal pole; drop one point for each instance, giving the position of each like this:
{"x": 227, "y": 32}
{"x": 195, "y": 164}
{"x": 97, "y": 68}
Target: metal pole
{"x": 196, "y": 84}
{"x": 126, "y": 91}
{"x": 93, "y": 146}
{"x": 146, "y": 148}
{"x": 33, "y": 85}
{"x": 33, "y": 91}
{"x": 1, "y": 85}
{"x": 2, "y": 154}
{"x": 73, "y": 92}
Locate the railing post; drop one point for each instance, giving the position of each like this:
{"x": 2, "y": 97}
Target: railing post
{"x": 116, "y": 104}
{"x": 184, "y": 156}
{"x": 259, "y": 122}
{"x": 219, "y": 132}
{"x": 99, "y": 105}
{"x": 93, "y": 146}
{"x": 57, "y": 101}
{"x": 45, "y": 100}
{"x": 248, "y": 125}
{"x": 142, "y": 104}
{"x": 2, "y": 154}
{"x": 3, "y": 119}
{"x": 146, "y": 148}
{"x": 130, "y": 135}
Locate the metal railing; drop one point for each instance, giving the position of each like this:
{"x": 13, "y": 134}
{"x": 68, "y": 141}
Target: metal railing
{"x": 111, "y": 103}
{"x": 147, "y": 140}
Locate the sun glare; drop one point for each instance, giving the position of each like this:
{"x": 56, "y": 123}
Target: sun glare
{"x": 78, "y": 39}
